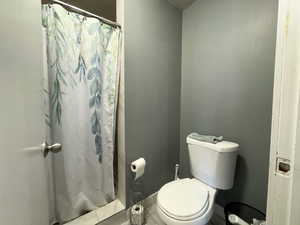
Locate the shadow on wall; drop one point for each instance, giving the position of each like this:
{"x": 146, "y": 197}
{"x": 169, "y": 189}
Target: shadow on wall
{"x": 136, "y": 189}
{"x": 236, "y": 193}
{"x": 152, "y": 90}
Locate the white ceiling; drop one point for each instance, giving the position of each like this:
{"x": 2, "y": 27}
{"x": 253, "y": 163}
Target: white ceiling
{"x": 182, "y": 4}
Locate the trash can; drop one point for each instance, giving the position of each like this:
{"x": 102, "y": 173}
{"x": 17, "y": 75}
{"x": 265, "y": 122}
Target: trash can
{"x": 245, "y": 212}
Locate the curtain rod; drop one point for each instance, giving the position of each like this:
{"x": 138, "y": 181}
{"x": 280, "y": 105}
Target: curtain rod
{"x": 87, "y": 13}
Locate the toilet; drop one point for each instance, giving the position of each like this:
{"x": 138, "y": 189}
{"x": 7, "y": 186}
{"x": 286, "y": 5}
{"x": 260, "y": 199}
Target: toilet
{"x": 190, "y": 201}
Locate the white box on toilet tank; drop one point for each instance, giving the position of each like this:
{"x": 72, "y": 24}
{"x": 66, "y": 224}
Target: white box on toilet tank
{"x": 213, "y": 164}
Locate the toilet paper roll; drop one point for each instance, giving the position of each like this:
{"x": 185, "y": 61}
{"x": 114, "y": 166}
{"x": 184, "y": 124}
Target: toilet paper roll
{"x": 138, "y": 167}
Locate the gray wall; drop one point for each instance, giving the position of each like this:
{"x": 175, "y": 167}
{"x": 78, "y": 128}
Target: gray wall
{"x": 152, "y": 89}
{"x": 227, "y": 80}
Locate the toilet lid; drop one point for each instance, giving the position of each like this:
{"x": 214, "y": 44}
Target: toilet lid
{"x": 184, "y": 199}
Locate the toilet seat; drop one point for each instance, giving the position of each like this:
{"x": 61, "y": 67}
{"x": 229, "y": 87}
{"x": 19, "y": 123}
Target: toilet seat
{"x": 185, "y": 199}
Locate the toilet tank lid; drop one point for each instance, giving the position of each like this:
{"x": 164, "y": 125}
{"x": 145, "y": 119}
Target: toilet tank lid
{"x": 223, "y": 146}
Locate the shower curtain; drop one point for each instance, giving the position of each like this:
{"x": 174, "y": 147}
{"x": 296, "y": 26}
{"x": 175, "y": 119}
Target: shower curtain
{"x": 81, "y": 88}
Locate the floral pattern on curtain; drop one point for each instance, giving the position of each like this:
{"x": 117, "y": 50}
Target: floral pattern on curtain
{"x": 83, "y": 74}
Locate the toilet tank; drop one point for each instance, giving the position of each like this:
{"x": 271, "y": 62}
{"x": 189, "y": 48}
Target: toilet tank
{"x": 213, "y": 164}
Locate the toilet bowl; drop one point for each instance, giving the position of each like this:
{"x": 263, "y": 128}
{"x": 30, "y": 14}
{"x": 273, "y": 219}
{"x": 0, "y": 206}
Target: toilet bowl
{"x": 191, "y": 201}
{"x": 186, "y": 202}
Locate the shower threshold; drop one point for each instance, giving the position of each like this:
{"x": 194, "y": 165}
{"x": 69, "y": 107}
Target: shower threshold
{"x": 99, "y": 215}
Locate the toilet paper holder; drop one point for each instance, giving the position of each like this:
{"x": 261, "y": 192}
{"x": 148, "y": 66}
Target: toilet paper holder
{"x": 138, "y": 167}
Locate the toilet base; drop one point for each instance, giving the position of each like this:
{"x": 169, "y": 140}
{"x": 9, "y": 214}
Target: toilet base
{"x": 202, "y": 220}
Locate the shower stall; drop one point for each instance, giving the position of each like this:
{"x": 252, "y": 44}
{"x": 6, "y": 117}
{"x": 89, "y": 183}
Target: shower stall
{"x": 81, "y": 85}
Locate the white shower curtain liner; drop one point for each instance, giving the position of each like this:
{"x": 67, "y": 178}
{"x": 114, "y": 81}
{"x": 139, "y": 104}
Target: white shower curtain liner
{"x": 81, "y": 88}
